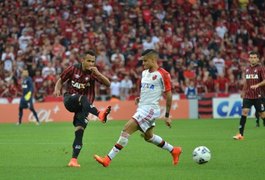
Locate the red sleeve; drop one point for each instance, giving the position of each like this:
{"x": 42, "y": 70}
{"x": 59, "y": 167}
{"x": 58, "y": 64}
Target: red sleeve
{"x": 166, "y": 79}
{"x": 67, "y": 73}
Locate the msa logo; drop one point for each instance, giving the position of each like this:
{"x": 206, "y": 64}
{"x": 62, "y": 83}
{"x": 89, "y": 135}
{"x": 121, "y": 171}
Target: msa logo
{"x": 252, "y": 76}
{"x": 148, "y": 86}
{"x": 79, "y": 85}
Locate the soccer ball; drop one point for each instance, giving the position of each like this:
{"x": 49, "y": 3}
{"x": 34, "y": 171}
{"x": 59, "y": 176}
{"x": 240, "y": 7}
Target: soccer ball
{"x": 201, "y": 155}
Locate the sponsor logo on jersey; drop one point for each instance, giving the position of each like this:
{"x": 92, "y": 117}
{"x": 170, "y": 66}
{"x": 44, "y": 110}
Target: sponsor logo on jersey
{"x": 252, "y": 76}
{"x": 79, "y": 85}
{"x": 148, "y": 86}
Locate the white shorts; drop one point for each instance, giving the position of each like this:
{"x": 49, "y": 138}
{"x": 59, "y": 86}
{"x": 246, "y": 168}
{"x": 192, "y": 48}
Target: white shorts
{"x": 145, "y": 117}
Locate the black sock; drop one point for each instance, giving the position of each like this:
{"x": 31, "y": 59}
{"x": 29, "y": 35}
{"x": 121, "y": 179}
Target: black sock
{"x": 242, "y": 124}
{"x": 87, "y": 106}
{"x": 257, "y": 117}
{"x": 20, "y": 115}
{"x": 77, "y": 145}
{"x": 94, "y": 111}
{"x": 35, "y": 114}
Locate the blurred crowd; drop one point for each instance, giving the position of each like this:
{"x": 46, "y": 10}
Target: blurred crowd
{"x": 204, "y": 44}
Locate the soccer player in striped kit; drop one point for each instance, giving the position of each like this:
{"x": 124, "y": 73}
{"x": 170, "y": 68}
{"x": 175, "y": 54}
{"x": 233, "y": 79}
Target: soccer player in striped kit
{"x": 252, "y": 91}
{"x": 155, "y": 81}
{"x": 79, "y": 96}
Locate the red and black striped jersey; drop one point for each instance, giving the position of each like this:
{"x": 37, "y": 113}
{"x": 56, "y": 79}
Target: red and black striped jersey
{"x": 254, "y": 75}
{"x": 79, "y": 81}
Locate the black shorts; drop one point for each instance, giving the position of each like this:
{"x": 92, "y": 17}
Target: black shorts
{"x": 257, "y": 103}
{"x": 72, "y": 104}
{"x": 26, "y": 104}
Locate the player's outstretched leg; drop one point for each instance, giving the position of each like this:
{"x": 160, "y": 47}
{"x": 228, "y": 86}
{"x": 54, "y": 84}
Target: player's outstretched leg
{"x": 121, "y": 143}
{"x": 105, "y": 161}
{"x": 103, "y": 114}
{"x": 176, "y": 152}
{"x": 157, "y": 140}
{"x": 89, "y": 108}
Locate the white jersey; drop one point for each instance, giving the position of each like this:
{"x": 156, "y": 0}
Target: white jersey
{"x": 153, "y": 84}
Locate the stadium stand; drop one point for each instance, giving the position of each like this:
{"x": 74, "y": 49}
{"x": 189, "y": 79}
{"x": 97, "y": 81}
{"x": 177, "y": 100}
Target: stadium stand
{"x": 196, "y": 39}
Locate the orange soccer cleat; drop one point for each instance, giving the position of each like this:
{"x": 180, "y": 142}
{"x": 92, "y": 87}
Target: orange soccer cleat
{"x": 102, "y": 115}
{"x": 73, "y": 163}
{"x": 105, "y": 161}
{"x": 238, "y": 137}
{"x": 175, "y": 154}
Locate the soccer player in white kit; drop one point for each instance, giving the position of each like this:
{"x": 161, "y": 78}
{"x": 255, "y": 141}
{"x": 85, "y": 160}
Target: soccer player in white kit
{"x": 155, "y": 81}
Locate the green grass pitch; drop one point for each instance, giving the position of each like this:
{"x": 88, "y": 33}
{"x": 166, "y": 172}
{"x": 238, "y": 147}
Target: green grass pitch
{"x": 42, "y": 152}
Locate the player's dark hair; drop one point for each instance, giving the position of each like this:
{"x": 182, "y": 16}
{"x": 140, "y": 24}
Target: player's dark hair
{"x": 254, "y": 53}
{"x": 90, "y": 52}
{"x": 149, "y": 51}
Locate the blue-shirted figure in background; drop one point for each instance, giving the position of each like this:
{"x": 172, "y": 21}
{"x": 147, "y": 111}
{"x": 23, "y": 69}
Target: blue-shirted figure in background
{"x": 26, "y": 100}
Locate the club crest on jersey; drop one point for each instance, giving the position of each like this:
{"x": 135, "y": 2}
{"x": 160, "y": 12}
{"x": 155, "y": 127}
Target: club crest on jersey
{"x": 77, "y": 76}
{"x": 154, "y": 77}
{"x": 252, "y": 76}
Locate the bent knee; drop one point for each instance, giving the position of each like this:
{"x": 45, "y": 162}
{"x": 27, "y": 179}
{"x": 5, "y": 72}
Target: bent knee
{"x": 79, "y": 127}
{"x": 130, "y": 127}
{"x": 262, "y": 115}
{"x": 245, "y": 112}
{"x": 147, "y": 137}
